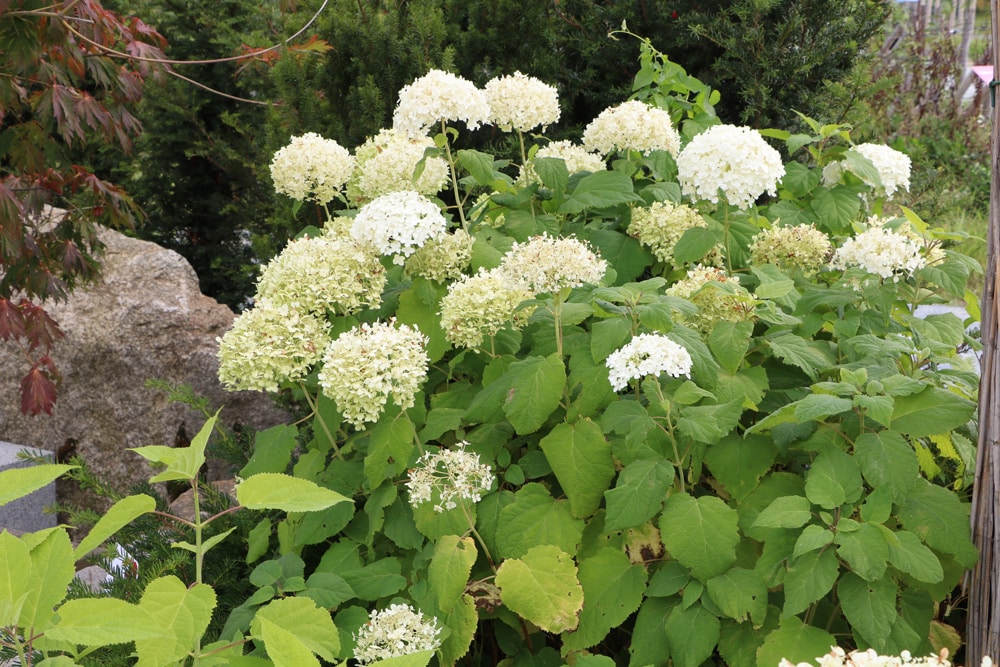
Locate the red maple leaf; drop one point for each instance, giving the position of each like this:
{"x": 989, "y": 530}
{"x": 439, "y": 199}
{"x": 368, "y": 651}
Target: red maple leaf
{"x": 38, "y": 391}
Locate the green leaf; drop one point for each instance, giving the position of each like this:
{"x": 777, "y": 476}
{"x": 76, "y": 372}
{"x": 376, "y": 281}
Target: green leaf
{"x": 301, "y": 624}
{"x": 602, "y": 189}
{"x": 908, "y": 554}
{"x": 284, "y": 648}
{"x": 729, "y": 342}
{"x": 606, "y": 336}
{"x": 799, "y": 179}
{"x": 119, "y": 515}
{"x": 937, "y": 516}
{"x": 811, "y": 538}
{"x": 695, "y": 243}
{"x": 701, "y": 533}
{"x": 103, "y": 621}
{"x": 535, "y": 518}
{"x": 870, "y": 607}
{"x": 378, "y": 580}
{"x": 182, "y": 612}
{"x": 286, "y": 493}
{"x": 739, "y": 642}
{"x": 809, "y": 578}
{"x": 15, "y": 578}
{"x": 740, "y": 594}
{"x": 580, "y": 457}
{"x": 19, "y": 482}
{"x": 929, "y": 412}
{"x": 613, "y": 589}
{"x": 887, "y": 460}
{"x": 553, "y": 173}
{"x": 649, "y": 645}
{"x": 739, "y": 463}
{"x": 817, "y": 407}
{"x": 461, "y": 621}
{"x": 709, "y": 423}
{"x": 864, "y": 550}
{"x": 536, "y": 387}
{"x": 327, "y": 590}
{"x": 795, "y": 642}
{"x": 542, "y": 587}
{"x": 272, "y": 450}
{"x": 182, "y": 463}
{"x": 861, "y": 166}
{"x": 51, "y": 573}
{"x": 835, "y": 208}
{"x": 638, "y": 494}
{"x": 692, "y": 633}
{"x": 449, "y": 570}
{"x": 479, "y": 165}
{"x": 415, "y": 309}
{"x": 833, "y": 479}
{"x": 808, "y": 356}
{"x": 421, "y": 659}
{"x": 621, "y": 251}
{"x": 785, "y": 512}
{"x": 390, "y": 443}
{"x": 878, "y": 408}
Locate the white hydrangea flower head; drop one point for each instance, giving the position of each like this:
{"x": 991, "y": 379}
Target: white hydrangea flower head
{"x": 838, "y": 657}
{"x": 735, "y": 160}
{"x": 444, "y": 259}
{"x": 364, "y": 367}
{"x": 647, "y": 354}
{"x": 311, "y": 168}
{"x": 799, "y": 247}
{"x": 394, "y": 632}
{"x": 632, "y": 125}
{"x": 881, "y": 251}
{"x": 719, "y": 296}
{"x": 893, "y": 167}
{"x": 448, "y": 476}
{"x": 930, "y": 247}
{"x": 479, "y": 306}
{"x": 387, "y": 163}
{"x": 439, "y": 96}
{"x": 520, "y": 102}
{"x": 661, "y": 225}
{"x": 325, "y": 273}
{"x": 546, "y": 265}
{"x": 398, "y": 223}
{"x": 270, "y": 344}
{"x": 576, "y": 157}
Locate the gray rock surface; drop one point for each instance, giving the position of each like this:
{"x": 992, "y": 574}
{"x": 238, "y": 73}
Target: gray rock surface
{"x": 145, "y": 319}
{"x": 25, "y": 515}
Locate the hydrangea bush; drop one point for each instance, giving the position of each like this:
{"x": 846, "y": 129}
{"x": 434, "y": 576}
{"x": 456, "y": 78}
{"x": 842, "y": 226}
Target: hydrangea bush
{"x": 670, "y": 399}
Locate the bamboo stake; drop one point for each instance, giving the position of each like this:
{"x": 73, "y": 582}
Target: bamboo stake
{"x": 983, "y": 631}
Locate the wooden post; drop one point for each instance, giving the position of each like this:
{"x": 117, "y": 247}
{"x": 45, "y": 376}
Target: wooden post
{"x": 983, "y": 632}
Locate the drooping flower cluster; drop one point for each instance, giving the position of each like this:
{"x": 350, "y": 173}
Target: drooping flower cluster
{"x": 388, "y": 162}
{"x": 893, "y": 168}
{"x": 520, "y": 102}
{"x": 647, "y": 354}
{"x": 442, "y": 259}
{"x": 799, "y": 247}
{"x": 439, "y": 96}
{"x": 479, "y": 306}
{"x": 398, "y": 223}
{"x": 881, "y": 251}
{"x": 632, "y": 125}
{"x": 270, "y": 344}
{"x": 447, "y": 476}
{"x": 546, "y": 265}
{"x": 393, "y": 632}
{"x": 311, "y": 168}
{"x": 323, "y": 274}
{"x": 719, "y": 296}
{"x": 364, "y": 367}
{"x": 662, "y": 224}
{"x": 735, "y": 160}
{"x": 838, "y": 657}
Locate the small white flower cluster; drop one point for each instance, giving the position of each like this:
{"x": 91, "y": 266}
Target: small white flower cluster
{"x": 323, "y": 273}
{"x": 893, "y": 168}
{"x": 364, "y": 367}
{"x": 881, "y": 251}
{"x": 719, "y": 296}
{"x": 520, "y": 102}
{"x": 394, "y": 632}
{"x": 647, "y": 354}
{"x": 735, "y": 160}
{"x": 387, "y": 163}
{"x": 443, "y": 259}
{"x": 269, "y": 344}
{"x": 930, "y": 247}
{"x": 632, "y": 125}
{"x": 311, "y": 168}
{"x": 801, "y": 247}
{"x": 661, "y": 225}
{"x": 546, "y": 265}
{"x": 838, "y": 657}
{"x": 448, "y": 475}
{"x": 439, "y": 96}
{"x": 481, "y": 305}
{"x": 398, "y": 223}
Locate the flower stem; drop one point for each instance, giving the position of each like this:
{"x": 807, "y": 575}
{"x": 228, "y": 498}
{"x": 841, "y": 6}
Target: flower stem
{"x": 479, "y": 538}
{"x": 322, "y": 422}
{"x": 454, "y": 178}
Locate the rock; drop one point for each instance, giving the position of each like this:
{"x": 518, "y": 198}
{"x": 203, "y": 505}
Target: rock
{"x": 144, "y": 319}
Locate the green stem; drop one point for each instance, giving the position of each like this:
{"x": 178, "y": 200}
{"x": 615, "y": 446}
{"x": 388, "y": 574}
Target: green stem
{"x": 322, "y": 422}
{"x": 199, "y": 556}
{"x": 479, "y": 538}
{"x": 454, "y": 177}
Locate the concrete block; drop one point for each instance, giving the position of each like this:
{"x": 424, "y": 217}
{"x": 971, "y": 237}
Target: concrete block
{"x": 25, "y": 514}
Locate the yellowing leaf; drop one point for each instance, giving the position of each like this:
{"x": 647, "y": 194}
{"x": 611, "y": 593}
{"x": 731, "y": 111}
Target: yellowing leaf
{"x": 542, "y": 587}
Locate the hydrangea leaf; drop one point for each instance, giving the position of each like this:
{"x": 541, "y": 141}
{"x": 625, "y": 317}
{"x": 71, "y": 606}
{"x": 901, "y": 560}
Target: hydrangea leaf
{"x": 415, "y": 311}
{"x": 580, "y": 457}
{"x": 638, "y": 494}
{"x": 739, "y": 463}
{"x": 929, "y": 412}
{"x": 649, "y": 643}
{"x": 870, "y": 607}
{"x": 600, "y": 190}
{"x": 19, "y": 482}
{"x": 118, "y": 515}
{"x": 908, "y": 554}
{"x": 738, "y": 642}
{"x": 542, "y": 587}
{"x": 462, "y": 620}
{"x": 811, "y": 538}
{"x": 536, "y": 518}
{"x": 294, "y": 622}
{"x": 182, "y": 463}
{"x": 692, "y": 633}
{"x": 794, "y": 641}
{"x": 701, "y": 533}
{"x": 613, "y": 588}
{"x": 390, "y": 444}
{"x": 536, "y": 387}
{"x": 729, "y": 342}
{"x": 378, "y": 580}
{"x": 864, "y": 550}
{"x": 740, "y": 594}
{"x": 272, "y": 450}
{"x": 807, "y": 356}
{"x": 103, "y": 621}
{"x": 15, "y": 577}
{"x": 836, "y": 208}
{"x": 785, "y": 512}
{"x": 184, "y": 614}
{"x": 421, "y": 659}
{"x": 449, "y": 569}
{"x": 809, "y": 577}
{"x": 51, "y": 573}
{"x": 286, "y": 493}
{"x": 887, "y": 460}
{"x": 623, "y": 252}
{"x": 937, "y": 516}
{"x": 834, "y": 479}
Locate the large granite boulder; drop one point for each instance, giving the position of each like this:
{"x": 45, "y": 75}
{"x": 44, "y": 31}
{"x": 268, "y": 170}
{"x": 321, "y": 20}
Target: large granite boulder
{"x": 145, "y": 319}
